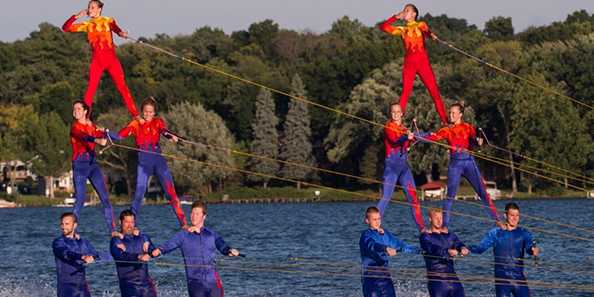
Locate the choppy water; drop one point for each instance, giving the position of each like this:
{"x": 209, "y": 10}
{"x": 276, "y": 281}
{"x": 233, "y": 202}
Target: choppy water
{"x": 297, "y": 249}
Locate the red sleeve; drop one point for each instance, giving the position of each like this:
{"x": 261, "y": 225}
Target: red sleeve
{"x": 424, "y": 28}
{"x": 114, "y": 27}
{"x": 130, "y": 129}
{"x": 441, "y": 134}
{"x": 387, "y": 27}
{"x": 391, "y": 134}
{"x": 471, "y": 131}
{"x": 80, "y": 134}
{"x": 67, "y": 27}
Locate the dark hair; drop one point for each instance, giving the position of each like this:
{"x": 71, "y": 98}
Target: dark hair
{"x": 68, "y": 214}
{"x": 512, "y": 205}
{"x": 99, "y": 3}
{"x": 414, "y": 8}
{"x": 84, "y": 106}
{"x": 199, "y": 204}
{"x": 459, "y": 105}
{"x": 149, "y": 101}
{"x": 126, "y": 213}
{"x": 370, "y": 210}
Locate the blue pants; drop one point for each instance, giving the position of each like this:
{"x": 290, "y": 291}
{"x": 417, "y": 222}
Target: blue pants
{"x": 200, "y": 289}
{"x": 509, "y": 289}
{"x": 397, "y": 171}
{"x": 445, "y": 288}
{"x": 130, "y": 290}
{"x": 89, "y": 170}
{"x": 378, "y": 287}
{"x": 462, "y": 164}
{"x": 73, "y": 290}
{"x": 151, "y": 164}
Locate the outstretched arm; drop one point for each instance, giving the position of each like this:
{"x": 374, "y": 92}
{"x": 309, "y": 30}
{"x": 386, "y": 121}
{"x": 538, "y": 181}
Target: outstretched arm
{"x": 400, "y": 245}
{"x": 487, "y": 242}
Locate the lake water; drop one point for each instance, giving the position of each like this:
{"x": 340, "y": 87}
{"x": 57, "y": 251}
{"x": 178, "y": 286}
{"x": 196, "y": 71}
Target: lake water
{"x": 301, "y": 249}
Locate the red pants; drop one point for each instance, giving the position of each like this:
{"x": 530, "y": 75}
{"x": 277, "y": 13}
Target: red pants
{"x": 107, "y": 60}
{"x": 419, "y": 63}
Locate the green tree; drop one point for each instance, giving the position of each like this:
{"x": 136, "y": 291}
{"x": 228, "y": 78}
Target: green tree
{"x": 47, "y": 140}
{"x": 296, "y": 136}
{"x": 264, "y": 139}
{"x": 212, "y": 141}
{"x": 499, "y": 28}
{"x": 549, "y": 129}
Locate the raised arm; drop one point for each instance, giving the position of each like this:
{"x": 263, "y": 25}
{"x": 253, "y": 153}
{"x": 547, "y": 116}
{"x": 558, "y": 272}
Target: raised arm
{"x": 70, "y": 26}
{"x": 387, "y": 26}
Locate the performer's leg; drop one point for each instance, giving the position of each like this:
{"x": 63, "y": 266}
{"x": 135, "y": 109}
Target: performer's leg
{"x": 503, "y": 290}
{"x": 390, "y": 178}
{"x": 454, "y": 174}
{"x": 428, "y": 78}
{"x": 98, "y": 182}
{"x": 80, "y": 172}
{"x": 117, "y": 75}
{"x": 166, "y": 180}
{"x": 407, "y": 183}
{"x": 95, "y": 71}
{"x": 473, "y": 175}
{"x": 409, "y": 73}
{"x": 142, "y": 174}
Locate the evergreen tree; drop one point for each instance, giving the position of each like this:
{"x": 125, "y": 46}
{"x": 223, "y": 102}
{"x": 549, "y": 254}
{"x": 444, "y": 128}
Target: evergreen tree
{"x": 296, "y": 143}
{"x": 265, "y": 138}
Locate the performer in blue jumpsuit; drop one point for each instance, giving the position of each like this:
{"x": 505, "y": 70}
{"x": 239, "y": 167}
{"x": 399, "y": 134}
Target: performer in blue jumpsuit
{"x": 128, "y": 253}
{"x": 509, "y": 247}
{"x": 71, "y": 253}
{"x": 438, "y": 249}
{"x": 377, "y": 245}
{"x": 83, "y": 137}
{"x": 198, "y": 245}
{"x": 396, "y": 142}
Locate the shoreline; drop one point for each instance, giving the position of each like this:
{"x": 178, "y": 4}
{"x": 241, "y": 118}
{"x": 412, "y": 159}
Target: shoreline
{"x": 40, "y": 201}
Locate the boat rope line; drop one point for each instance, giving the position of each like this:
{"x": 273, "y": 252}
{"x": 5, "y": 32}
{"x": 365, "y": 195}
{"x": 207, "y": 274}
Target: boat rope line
{"x": 294, "y": 97}
{"x": 518, "y": 77}
{"x": 364, "y": 196}
{"x": 411, "y": 274}
{"x": 565, "y": 173}
{"x": 363, "y": 179}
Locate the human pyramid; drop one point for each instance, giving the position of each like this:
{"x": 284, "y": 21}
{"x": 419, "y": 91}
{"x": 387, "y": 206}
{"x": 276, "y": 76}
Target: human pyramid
{"x": 131, "y": 249}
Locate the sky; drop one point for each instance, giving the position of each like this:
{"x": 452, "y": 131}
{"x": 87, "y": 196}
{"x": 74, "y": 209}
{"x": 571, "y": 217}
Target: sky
{"x": 148, "y": 17}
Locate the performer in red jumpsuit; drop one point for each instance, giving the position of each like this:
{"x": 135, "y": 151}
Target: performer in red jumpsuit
{"x": 99, "y": 33}
{"x": 416, "y": 60}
